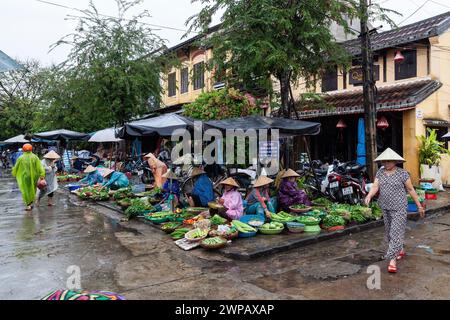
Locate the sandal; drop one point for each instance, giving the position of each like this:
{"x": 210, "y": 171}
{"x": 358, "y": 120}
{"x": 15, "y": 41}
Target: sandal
{"x": 392, "y": 268}
{"x": 401, "y": 255}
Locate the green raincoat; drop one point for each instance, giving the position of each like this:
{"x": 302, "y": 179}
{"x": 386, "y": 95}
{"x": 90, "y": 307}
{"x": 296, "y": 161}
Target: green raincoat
{"x": 28, "y": 170}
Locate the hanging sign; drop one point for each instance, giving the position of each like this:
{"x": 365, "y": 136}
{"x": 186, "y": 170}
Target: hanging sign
{"x": 356, "y": 75}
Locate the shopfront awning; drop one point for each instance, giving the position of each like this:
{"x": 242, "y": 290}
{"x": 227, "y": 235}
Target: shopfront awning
{"x": 436, "y": 123}
{"x": 61, "y": 134}
{"x": 395, "y": 97}
{"x": 285, "y": 126}
{"x": 163, "y": 125}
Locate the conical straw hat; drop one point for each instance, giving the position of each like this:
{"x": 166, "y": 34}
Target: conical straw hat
{"x": 170, "y": 175}
{"x": 52, "y": 155}
{"x": 262, "y": 181}
{"x": 197, "y": 172}
{"x": 230, "y": 182}
{"x": 389, "y": 155}
{"x": 90, "y": 169}
{"x": 107, "y": 172}
{"x": 290, "y": 173}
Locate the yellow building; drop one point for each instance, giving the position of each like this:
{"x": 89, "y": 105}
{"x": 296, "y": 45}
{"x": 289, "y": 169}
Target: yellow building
{"x": 412, "y": 95}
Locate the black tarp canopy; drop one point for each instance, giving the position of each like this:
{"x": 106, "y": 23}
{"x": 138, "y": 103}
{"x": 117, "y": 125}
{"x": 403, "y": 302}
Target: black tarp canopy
{"x": 285, "y": 126}
{"x": 61, "y": 134}
{"x": 163, "y": 125}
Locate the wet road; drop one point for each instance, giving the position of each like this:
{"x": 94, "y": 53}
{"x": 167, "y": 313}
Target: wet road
{"x": 141, "y": 262}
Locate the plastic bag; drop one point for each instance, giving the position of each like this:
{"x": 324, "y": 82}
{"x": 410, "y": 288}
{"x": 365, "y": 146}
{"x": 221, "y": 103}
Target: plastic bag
{"x": 204, "y": 224}
{"x": 433, "y": 172}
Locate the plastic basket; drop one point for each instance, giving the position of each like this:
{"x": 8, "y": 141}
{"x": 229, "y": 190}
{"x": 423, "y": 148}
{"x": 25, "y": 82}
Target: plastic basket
{"x": 412, "y": 207}
{"x": 249, "y": 217}
{"x": 271, "y": 231}
{"x": 431, "y": 196}
{"x": 247, "y": 234}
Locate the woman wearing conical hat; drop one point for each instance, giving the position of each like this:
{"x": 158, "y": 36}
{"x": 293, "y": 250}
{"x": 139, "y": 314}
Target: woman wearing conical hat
{"x": 289, "y": 194}
{"x": 393, "y": 183}
{"x": 203, "y": 190}
{"x": 158, "y": 168}
{"x": 93, "y": 176}
{"x": 232, "y": 199}
{"x": 115, "y": 180}
{"x": 259, "y": 201}
{"x": 49, "y": 163}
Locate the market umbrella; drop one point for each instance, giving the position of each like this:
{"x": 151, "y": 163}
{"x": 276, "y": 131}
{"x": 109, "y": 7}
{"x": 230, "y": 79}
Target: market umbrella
{"x": 105, "y": 135}
{"x": 7, "y": 63}
{"x": 361, "y": 148}
{"x": 163, "y": 125}
{"x": 17, "y": 139}
{"x": 61, "y": 134}
{"x": 446, "y": 136}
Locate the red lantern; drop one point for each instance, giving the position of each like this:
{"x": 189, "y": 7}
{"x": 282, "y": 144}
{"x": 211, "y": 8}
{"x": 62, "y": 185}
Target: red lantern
{"x": 382, "y": 123}
{"x": 341, "y": 125}
{"x": 399, "y": 58}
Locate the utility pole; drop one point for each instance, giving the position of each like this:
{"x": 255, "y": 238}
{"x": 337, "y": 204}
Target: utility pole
{"x": 370, "y": 111}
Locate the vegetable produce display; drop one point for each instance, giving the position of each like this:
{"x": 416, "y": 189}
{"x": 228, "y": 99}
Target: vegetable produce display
{"x": 196, "y": 234}
{"x": 97, "y": 193}
{"x": 322, "y": 202}
{"x": 333, "y": 221}
{"x": 308, "y": 221}
{"x": 217, "y": 220}
{"x": 69, "y": 177}
{"x": 242, "y": 227}
{"x": 123, "y": 193}
{"x": 214, "y": 241}
{"x": 179, "y": 233}
{"x": 272, "y": 226}
{"x": 170, "y": 226}
{"x": 255, "y": 223}
{"x": 137, "y": 208}
{"x": 282, "y": 217}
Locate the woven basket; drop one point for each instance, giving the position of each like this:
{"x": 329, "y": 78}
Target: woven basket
{"x": 214, "y": 246}
{"x": 307, "y": 209}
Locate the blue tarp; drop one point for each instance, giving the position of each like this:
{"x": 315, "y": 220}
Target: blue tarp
{"x": 7, "y": 63}
{"x": 361, "y": 148}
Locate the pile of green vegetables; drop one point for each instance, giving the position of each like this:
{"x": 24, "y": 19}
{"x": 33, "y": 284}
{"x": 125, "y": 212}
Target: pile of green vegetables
{"x": 333, "y": 221}
{"x": 123, "y": 193}
{"x": 218, "y": 220}
{"x": 94, "y": 193}
{"x": 137, "y": 207}
{"x": 272, "y": 226}
{"x": 242, "y": 227}
{"x": 322, "y": 202}
{"x": 179, "y": 233}
{"x": 299, "y": 206}
{"x": 282, "y": 217}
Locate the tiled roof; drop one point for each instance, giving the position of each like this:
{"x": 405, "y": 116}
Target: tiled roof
{"x": 413, "y": 32}
{"x": 399, "y": 96}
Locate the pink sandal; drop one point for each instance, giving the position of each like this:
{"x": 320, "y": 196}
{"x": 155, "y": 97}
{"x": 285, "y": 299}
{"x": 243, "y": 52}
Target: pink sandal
{"x": 392, "y": 268}
{"x": 401, "y": 255}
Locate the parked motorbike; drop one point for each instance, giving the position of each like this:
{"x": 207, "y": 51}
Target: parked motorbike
{"x": 348, "y": 183}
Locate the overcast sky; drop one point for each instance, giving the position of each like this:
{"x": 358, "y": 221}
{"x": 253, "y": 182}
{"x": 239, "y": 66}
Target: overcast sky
{"x": 29, "y": 27}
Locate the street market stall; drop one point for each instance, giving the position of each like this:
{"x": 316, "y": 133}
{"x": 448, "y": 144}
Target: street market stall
{"x": 17, "y": 140}
{"x": 163, "y": 125}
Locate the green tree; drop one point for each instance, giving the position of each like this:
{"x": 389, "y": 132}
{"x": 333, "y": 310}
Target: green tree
{"x": 21, "y": 97}
{"x": 112, "y": 71}
{"x": 288, "y": 40}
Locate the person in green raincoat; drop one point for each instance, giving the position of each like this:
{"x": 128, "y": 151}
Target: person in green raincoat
{"x": 28, "y": 170}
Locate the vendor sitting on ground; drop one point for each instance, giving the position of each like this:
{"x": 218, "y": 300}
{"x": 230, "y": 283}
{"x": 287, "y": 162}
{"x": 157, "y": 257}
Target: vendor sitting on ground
{"x": 116, "y": 180}
{"x": 289, "y": 193}
{"x": 171, "y": 187}
{"x": 94, "y": 177}
{"x": 77, "y": 165}
{"x": 259, "y": 201}
{"x": 203, "y": 191}
{"x": 232, "y": 200}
